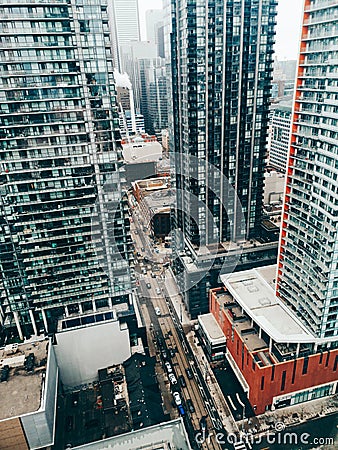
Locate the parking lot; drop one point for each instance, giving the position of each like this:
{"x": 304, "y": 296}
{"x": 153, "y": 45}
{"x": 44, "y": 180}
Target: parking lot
{"x": 233, "y": 391}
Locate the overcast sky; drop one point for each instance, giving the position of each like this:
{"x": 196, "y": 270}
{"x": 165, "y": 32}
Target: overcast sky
{"x": 288, "y": 25}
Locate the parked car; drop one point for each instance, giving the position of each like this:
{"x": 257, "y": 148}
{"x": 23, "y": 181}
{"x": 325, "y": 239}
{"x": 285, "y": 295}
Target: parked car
{"x": 172, "y": 378}
{"x": 177, "y": 398}
{"x": 168, "y": 367}
{"x": 75, "y": 398}
{"x": 181, "y": 410}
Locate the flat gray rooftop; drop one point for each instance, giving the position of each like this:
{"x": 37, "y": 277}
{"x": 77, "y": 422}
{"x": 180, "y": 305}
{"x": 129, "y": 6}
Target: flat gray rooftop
{"x": 211, "y": 327}
{"x": 161, "y": 199}
{"x": 164, "y": 436}
{"x": 254, "y": 291}
{"x": 141, "y": 151}
{"x": 21, "y": 394}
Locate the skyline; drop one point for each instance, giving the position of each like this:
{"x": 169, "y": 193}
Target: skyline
{"x": 287, "y": 29}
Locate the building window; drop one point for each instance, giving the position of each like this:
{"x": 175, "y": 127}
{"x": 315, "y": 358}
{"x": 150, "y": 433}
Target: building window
{"x": 327, "y": 359}
{"x": 305, "y": 365}
{"x": 321, "y": 358}
{"x": 282, "y": 387}
{"x": 262, "y": 383}
{"x": 335, "y": 363}
{"x": 294, "y": 371}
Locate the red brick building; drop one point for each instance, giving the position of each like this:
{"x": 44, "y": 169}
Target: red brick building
{"x": 277, "y": 360}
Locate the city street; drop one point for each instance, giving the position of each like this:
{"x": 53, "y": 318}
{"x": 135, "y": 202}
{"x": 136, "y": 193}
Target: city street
{"x": 160, "y": 316}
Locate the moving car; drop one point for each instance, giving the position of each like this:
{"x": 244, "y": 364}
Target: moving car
{"x": 181, "y": 379}
{"x": 172, "y": 352}
{"x": 148, "y": 285}
{"x": 158, "y": 290}
{"x": 190, "y": 375}
{"x": 157, "y": 311}
{"x": 190, "y": 405}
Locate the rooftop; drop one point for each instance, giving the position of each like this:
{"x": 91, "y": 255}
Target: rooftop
{"x": 253, "y": 290}
{"x": 141, "y": 151}
{"x": 211, "y": 327}
{"x": 21, "y": 393}
{"x": 164, "y": 436}
{"x": 152, "y": 184}
{"x": 159, "y": 200}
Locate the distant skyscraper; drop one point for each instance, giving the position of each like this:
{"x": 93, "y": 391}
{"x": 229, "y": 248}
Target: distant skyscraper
{"x": 59, "y": 143}
{"x": 148, "y": 77}
{"x": 280, "y": 135}
{"x": 308, "y": 261}
{"x": 124, "y": 25}
{"x": 131, "y": 53}
{"x": 153, "y": 94}
{"x": 155, "y": 29}
{"x": 125, "y": 100}
{"x": 154, "y": 19}
{"x": 221, "y": 64}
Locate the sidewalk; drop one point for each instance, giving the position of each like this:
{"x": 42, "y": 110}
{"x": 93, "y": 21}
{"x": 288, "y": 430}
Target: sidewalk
{"x": 291, "y": 416}
{"x": 222, "y": 408}
{"x": 176, "y": 297}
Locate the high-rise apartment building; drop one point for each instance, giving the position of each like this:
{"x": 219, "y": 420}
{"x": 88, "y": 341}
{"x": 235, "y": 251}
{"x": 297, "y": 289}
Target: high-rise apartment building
{"x": 125, "y": 27}
{"x": 308, "y": 262}
{"x": 222, "y": 82}
{"x": 59, "y": 144}
{"x": 288, "y": 342}
{"x": 221, "y": 64}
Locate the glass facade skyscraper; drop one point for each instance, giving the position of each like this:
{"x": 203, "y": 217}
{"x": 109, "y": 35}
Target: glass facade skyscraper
{"x": 124, "y": 26}
{"x": 59, "y": 144}
{"x": 307, "y": 273}
{"x": 221, "y": 65}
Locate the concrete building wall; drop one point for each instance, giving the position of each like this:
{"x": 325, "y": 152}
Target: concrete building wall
{"x": 39, "y": 426}
{"x": 274, "y": 187}
{"x": 265, "y": 383}
{"x": 81, "y": 352}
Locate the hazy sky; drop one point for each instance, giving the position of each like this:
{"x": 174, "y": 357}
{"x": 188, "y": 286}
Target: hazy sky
{"x": 288, "y": 25}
